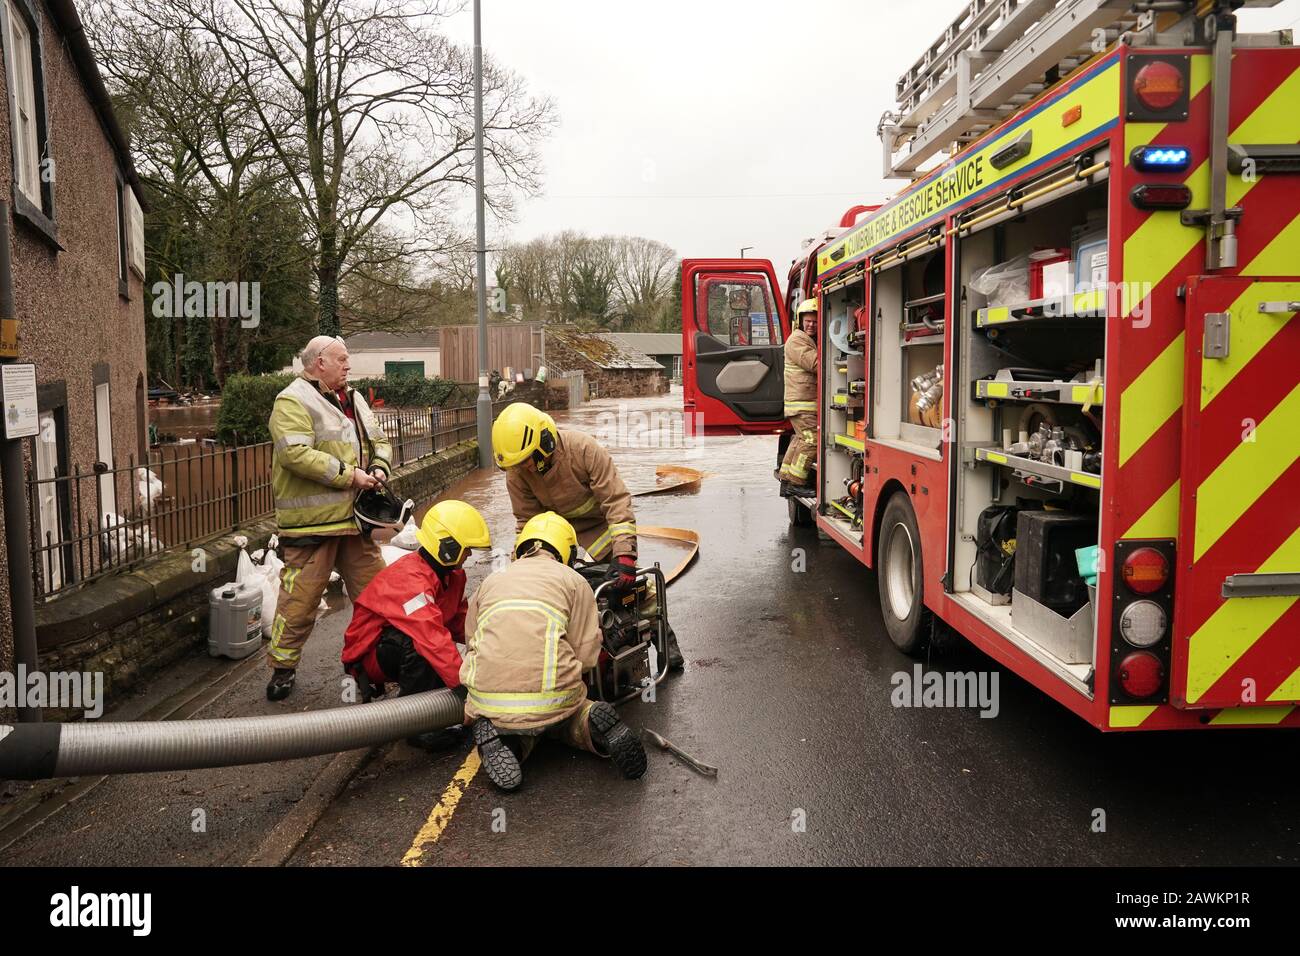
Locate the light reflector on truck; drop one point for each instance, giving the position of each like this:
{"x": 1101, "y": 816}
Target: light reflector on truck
{"x": 1141, "y": 674}
{"x": 1145, "y": 571}
{"x": 1160, "y": 159}
{"x": 1143, "y": 623}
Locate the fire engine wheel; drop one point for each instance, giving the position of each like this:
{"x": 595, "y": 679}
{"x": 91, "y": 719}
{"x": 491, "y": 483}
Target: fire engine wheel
{"x": 899, "y": 575}
{"x": 800, "y": 516}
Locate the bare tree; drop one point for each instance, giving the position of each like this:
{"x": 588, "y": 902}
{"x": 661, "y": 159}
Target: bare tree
{"x": 646, "y": 269}
{"x": 370, "y": 112}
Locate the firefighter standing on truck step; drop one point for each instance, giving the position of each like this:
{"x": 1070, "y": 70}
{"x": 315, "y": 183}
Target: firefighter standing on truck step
{"x": 801, "y": 398}
{"x": 532, "y": 629}
{"x": 328, "y": 446}
{"x": 570, "y": 473}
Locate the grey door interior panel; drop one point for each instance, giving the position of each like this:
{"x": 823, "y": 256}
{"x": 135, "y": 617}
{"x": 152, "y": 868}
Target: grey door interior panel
{"x": 741, "y": 377}
{"x": 765, "y": 401}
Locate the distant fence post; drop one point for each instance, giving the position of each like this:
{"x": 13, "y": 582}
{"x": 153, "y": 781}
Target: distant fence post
{"x": 234, "y": 489}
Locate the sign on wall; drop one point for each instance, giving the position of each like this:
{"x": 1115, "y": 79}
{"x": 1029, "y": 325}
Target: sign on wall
{"x": 18, "y": 388}
{"x": 135, "y": 240}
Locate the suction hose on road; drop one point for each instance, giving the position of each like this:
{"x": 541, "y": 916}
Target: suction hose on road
{"x": 42, "y": 751}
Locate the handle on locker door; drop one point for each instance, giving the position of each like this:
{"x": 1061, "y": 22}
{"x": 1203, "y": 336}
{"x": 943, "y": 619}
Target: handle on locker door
{"x": 1280, "y": 308}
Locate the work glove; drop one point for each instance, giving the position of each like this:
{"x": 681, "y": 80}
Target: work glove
{"x": 621, "y": 573}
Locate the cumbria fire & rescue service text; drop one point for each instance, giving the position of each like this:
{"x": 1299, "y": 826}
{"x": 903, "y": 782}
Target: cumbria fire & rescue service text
{"x": 65, "y": 690}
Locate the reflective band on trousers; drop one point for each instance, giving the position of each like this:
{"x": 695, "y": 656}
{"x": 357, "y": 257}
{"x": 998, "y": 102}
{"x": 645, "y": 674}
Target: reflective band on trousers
{"x": 615, "y": 530}
{"x": 556, "y": 622}
{"x": 794, "y": 408}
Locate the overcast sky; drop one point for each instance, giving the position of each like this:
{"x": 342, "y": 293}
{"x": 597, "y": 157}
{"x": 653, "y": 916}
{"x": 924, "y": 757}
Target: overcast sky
{"x": 717, "y": 124}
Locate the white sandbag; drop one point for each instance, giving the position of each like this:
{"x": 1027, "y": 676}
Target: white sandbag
{"x": 406, "y": 538}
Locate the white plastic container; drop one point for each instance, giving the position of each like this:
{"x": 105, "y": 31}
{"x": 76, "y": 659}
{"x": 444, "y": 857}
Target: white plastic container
{"x": 235, "y": 620}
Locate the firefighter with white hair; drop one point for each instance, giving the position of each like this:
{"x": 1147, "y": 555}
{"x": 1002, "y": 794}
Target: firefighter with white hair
{"x": 328, "y": 449}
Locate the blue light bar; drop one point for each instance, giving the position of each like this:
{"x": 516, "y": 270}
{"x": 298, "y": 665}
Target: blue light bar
{"x": 1160, "y": 159}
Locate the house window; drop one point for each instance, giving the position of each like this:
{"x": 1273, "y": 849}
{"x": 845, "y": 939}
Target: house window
{"x": 33, "y": 187}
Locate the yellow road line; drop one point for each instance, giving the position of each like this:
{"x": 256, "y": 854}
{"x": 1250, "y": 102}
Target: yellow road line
{"x": 441, "y": 814}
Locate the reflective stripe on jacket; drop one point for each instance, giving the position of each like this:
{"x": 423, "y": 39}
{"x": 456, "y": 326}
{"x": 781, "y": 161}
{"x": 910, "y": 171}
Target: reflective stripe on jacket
{"x": 584, "y": 486}
{"x": 530, "y": 632}
{"x": 800, "y": 373}
{"x": 316, "y": 447}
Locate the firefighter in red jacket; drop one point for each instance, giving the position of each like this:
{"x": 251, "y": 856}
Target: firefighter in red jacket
{"x": 408, "y": 620}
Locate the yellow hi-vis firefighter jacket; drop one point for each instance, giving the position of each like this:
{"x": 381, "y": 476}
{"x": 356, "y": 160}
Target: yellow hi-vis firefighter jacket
{"x": 316, "y": 447}
{"x": 583, "y": 485}
{"x": 800, "y": 373}
{"x": 530, "y": 632}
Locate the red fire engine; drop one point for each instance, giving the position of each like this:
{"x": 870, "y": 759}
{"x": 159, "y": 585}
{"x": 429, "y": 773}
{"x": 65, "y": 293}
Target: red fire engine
{"x": 1059, "y": 392}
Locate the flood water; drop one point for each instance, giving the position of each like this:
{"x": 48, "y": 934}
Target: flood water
{"x": 641, "y": 434}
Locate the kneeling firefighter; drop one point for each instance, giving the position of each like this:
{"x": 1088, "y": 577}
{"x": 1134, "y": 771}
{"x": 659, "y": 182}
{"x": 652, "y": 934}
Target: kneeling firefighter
{"x": 532, "y": 630}
{"x": 408, "y": 620}
{"x": 570, "y": 473}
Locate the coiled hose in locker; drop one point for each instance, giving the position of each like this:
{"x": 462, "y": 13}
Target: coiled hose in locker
{"x": 42, "y": 751}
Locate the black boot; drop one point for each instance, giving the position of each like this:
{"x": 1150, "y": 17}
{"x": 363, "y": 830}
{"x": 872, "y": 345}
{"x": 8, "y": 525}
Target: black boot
{"x": 499, "y": 760}
{"x": 675, "y": 660}
{"x": 281, "y": 683}
{"x": 616, "y": 739}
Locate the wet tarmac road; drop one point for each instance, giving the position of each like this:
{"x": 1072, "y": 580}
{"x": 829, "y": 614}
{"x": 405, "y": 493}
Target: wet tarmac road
{"x": 788, "y": 691}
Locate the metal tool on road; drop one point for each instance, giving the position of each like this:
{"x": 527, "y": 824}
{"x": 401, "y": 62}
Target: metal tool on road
{"x": 664, "y": 744}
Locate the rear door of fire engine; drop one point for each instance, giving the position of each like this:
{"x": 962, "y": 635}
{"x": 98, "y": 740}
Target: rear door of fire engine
{"x": 734, "y": 325}
{"x": 1237, "y": 583}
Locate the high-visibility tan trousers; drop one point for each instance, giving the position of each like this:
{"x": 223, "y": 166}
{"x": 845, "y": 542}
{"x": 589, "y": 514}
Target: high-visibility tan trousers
{"x": 574, "y": 730}
{"x": 303, "y": 580}
{"x": 796, "y": 466}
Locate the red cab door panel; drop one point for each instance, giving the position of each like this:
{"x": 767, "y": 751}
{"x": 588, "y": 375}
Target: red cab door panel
{"x": 734, "y": 326}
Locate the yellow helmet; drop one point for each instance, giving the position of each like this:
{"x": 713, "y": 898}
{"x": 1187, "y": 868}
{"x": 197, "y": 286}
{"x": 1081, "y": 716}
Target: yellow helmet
{"x": 521, "y": 430}
{"x": 554, "y": 532}
{"x": 449, "y": 529}
{"x": 806, "y": 306}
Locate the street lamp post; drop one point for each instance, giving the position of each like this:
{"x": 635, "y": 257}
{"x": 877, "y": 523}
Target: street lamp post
{"x": 484, "y": 404}
{"x": 744, "y": 249}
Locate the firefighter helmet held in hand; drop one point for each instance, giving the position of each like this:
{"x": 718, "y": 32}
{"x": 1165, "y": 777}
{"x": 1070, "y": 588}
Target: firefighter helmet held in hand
{"x": 520, "y": 432}
{"x": 450, "y": 529}
{"x": 552, "y": 531}
{"x": 378, "y": 507}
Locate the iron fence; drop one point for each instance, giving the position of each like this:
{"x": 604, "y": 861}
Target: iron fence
{"x": 93, "y": 521}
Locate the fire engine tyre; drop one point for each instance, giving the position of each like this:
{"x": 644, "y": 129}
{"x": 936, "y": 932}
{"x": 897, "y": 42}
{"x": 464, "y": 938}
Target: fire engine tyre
{"x": 899, "y": 576}
{"x": 800, "y": 515}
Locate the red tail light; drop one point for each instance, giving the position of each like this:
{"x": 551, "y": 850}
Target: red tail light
{"x": 1145, "y": 571}
{"x": 1159, "y": 85}
{"x": 1141, "y": 674}
{"x": 1154, "y": 196}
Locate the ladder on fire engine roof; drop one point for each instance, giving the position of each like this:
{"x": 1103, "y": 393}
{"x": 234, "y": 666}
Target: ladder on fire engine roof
{"x": 995, "y": 57}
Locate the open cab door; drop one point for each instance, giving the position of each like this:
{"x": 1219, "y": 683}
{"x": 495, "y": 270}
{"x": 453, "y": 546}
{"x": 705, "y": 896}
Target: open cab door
{"x": 734, "y": 327}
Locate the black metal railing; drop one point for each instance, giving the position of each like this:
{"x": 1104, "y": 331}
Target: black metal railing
{"x": 111, "y": 516}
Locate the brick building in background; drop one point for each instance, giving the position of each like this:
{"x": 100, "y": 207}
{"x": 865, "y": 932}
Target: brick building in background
{"x": 78, "y": 263}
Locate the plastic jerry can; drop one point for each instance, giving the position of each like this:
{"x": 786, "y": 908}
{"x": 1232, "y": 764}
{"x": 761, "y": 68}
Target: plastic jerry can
{"x": 235, "y": 620}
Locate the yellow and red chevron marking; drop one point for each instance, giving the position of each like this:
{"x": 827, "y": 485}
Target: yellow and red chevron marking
{"x": 1241, "y": 499}
{"x": 1244, "y": 502}
{"x": 1164, "y": 717}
